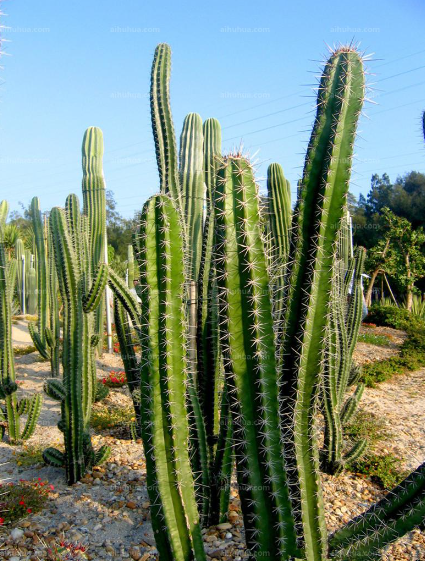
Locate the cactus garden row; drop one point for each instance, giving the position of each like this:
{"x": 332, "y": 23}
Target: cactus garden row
{"x": 237, "y": 340}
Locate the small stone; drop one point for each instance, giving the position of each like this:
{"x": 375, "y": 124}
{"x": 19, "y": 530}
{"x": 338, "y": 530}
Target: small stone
{"x": 224, "y": 526}
{"x": 14, "y": 559}
{"x": 135, "y": 553}
{"x": 16, "y": 534}
{"x": 131, "y": 504}
{"x": 229, "y": 536}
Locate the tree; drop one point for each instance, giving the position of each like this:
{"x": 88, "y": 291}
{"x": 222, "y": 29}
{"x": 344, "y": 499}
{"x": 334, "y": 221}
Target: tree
{"x": 400, "y": 253}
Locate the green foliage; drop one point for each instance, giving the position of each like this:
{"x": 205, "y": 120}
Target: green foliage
{"x": 19, "y": 500}
{"x": 369, "y": 426}
{"x": 110, "y": 416}
{"x": 372, "y": 339}
{"x": 412, "y": 353}
{"x": 383, "y": 469}
{"x": 29, "y": 455}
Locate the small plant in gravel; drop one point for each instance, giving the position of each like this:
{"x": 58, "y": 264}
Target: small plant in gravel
{"x": 104, "y": 417}
{"x": 369, "y": 426}
{"x": 18, "y": 500}
{"x": 66, "y": 551}
{"x": 383, "y": 469}
{"x": 372, "y": 339}
{"x": 21, "y": 351}
{"x": 30, "y": 455}
{"x": 115, "y": 379}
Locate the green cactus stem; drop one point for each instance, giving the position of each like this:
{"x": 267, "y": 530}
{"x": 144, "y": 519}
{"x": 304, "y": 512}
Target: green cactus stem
{"x": 94, "y": 207}
{"x": 248, "y": 346}
{"x": 317, "y": 216}
{"x": 162, "y": 122}
{"x": 81, "y": 292}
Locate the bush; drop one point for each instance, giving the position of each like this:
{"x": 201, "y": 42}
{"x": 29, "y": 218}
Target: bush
{"x": 21, "y": 499}
{"x": 385, "y": 470}
{"x": 115, "y": 379}
{"x": 412, "y": 353}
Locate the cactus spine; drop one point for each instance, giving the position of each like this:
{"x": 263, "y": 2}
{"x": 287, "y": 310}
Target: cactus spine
{"x": 13, "y": 409}
{"x": 94, "y": 207}
{"x": 81, "y": 293}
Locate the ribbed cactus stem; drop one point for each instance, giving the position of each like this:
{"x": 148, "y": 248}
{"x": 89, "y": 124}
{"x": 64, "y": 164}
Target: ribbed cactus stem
{"x": 10, "y": 415}
{"x": 192, "y": 187}
{"x": 19, "y": 254}
{"x": 94, "y": 198}
{"x": 164, "y": 378}
{"x": 162, "y": 122}
{"x": 42, "y": 270}
{"x": 279, "y": 199}
{"x": 79, "y": 295}
{"x": 247, "y": 340}
{"x": 212, "y": 156}
{"x": 130, "y": 266}
{"x": 318, "y": 213}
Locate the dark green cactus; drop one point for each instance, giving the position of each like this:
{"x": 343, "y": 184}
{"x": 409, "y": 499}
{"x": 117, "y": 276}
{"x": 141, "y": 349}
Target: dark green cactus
{"x": 20, "y": 274}
{"x": 345, "y": 320}
{"x": 13, "y": 409}
{"x": 94, "y": 207}
{"x": 81, "y": 292}
{"x": 46, "y": 333}
{"x": 248, "y": 346}
{"x": 162, "y": 122}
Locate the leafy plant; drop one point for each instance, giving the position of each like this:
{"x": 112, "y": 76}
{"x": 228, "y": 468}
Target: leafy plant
{"x": 372, "y": 339}
{"x": 383, "y": 469}
{"x": 18, "y": 500}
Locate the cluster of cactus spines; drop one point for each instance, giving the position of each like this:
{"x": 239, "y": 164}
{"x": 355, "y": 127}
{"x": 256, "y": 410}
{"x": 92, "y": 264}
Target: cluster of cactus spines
{"x": 248, "y": 345}
{"x": 81, "y": 292}
{"x": 339, "y": 372}
{"x": 46, "y": 333}
{"x": 94, "y": 207}
{"x": 162, "y": 122}
{"x": 164, "y": 378}
{"x": 13, "y": 409}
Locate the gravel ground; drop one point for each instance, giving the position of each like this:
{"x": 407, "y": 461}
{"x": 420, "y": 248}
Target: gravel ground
{"x": 108, "y": 511}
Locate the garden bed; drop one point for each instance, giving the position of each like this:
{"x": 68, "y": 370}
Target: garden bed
{"x": 108, "y": 512}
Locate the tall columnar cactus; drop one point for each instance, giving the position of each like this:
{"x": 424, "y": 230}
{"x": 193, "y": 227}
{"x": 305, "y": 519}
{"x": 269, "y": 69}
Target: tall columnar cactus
{"x": 279, "y": 217}
{"x": 20, "y": 273}
{"x": 162, "y": 122}
{"x": 200, "y": 153}
{"x": 94, "y": 207}
{"x": 340, "y": 372}
{"x": 81, "y": 292}
{"x": 308, "y": 284}
{"x": 31, "y": 284}
{"x": 247, "y": 341}
{"x": 45, "y": 334}
{"x": 130, "y": 266}
{"x": 13, "y": 409}
{"x": 38, "y": 332}
{"x": 161, "y": 321}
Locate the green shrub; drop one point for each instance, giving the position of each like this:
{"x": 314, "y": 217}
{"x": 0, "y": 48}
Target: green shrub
{"x": 104, "y": 417}
{"x": 385, "y": 470}
{"x": 371, "y": 339}
{"x": 21, "y": 499}
{"x": 412, "y": 353}
{"x": 367, "y": 425}
{"x": 30, "y": 455}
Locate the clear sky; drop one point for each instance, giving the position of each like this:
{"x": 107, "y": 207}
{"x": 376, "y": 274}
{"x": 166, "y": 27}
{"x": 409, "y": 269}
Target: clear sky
{"x": 73, "y": 64}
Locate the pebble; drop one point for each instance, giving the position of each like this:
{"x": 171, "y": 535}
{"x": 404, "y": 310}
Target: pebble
{"x": 16, "y": 534}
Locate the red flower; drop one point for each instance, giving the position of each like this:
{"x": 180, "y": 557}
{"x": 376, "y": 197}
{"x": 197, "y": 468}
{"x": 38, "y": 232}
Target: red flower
{"x": 29, "y": 510}
{"x": 1, "y": 521}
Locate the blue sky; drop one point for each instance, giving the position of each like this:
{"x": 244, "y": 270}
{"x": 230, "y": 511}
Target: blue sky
{"x": 251, "y": 65}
